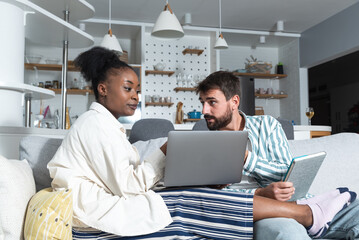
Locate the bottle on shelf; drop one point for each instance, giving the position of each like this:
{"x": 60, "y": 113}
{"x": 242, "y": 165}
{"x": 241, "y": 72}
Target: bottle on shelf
{"x": 68, "y": 120}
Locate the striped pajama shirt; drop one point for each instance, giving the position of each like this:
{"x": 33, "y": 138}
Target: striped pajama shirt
{"x": 269, "y": 156}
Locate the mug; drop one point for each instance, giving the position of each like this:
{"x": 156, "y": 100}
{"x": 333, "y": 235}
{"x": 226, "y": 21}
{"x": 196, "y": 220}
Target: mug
{"x": 148, "y": 99}
{"x": 269, "y": 90}
{"x": 168, "y": 99}
{"x": 155, "y": 98}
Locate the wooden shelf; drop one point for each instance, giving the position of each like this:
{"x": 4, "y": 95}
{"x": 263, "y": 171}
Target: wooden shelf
{"x": 154, "y": 72}
{"x": 192, "y": 119}
{"x": 35, "y": 93}
{"x": 184, "y": 89}
{"x": 192, "y": 51}
{"x": 73, "y": 91}
{"x": 49, "y": 67}
{"x": 271, "y": 96}
{"x": 261, "y": 75}
{"x": 158, "y": 104}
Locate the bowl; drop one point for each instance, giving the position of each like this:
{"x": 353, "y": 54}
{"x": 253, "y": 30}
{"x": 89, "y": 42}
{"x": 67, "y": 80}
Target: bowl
{"x": 33, "y": 58}
{"x": 159, "y": 66}
{"x": 52, "y": 61}
{"x": 194, "y": 115}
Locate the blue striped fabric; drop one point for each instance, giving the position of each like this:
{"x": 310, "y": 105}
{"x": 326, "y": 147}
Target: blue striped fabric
{"x": 197, "y": 213}
{"x": 269, "y": 157}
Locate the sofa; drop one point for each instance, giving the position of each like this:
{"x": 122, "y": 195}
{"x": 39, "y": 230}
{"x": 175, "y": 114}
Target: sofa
{"x": 21, "y": 179}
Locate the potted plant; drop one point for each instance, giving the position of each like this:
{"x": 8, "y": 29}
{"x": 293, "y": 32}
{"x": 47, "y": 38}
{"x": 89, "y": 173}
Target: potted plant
{"x": 280, "y": 68}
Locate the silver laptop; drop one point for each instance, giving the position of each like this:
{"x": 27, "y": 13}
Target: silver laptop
{"x": 197, "y": 158}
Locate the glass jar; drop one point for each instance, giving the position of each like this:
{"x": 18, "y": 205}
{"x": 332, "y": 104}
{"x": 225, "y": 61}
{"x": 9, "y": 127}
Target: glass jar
{"x": 48, "y": 84}
{"x": 55, "y": 84}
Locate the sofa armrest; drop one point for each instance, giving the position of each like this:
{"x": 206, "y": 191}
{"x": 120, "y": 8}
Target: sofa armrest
{"x": 339, "y": 168}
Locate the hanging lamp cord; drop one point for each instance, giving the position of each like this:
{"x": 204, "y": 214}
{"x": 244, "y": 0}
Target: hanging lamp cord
{"x": 109, "y": 18}
{"x": 220, "y": 17}
{"x": 168, "y": 7}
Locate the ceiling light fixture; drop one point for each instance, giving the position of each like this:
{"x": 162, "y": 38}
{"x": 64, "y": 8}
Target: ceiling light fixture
{"x": 221, "y": 42}
{"x": 109, "y": 40}
{"x": 167, "y": 25}
{"x": 262, "y": 39}
{"x": 280, "y": 26}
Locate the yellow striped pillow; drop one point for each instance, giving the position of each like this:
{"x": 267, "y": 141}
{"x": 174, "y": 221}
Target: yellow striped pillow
{"x": 49, "y": 215}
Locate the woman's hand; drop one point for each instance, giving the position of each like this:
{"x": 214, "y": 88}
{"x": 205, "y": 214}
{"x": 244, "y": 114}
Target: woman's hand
{"x": 281, "y": 191}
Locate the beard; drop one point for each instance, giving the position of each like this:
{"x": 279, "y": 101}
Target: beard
{"x": 219, "y": 122}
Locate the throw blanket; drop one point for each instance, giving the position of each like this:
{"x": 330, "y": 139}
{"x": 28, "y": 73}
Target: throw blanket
{"x": 197, "y": 213}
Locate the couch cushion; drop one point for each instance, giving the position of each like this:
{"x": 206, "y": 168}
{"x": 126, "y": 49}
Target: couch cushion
{"x": 17, "y": 186}
{"x": 146, "y": 148}
{"x": 39, "y": 151}
{"x": 340, "y": 166}
{"x": 49, "y": 215}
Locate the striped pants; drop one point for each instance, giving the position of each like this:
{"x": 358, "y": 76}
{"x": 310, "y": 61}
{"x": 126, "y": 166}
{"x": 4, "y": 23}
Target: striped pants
{"x": 197, "y": 213}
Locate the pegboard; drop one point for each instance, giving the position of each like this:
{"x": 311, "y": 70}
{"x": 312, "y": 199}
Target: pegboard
{"x": 170, "y": 53}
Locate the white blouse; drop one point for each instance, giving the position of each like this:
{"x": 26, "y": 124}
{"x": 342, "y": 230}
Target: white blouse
{"x": 111, "y": 189}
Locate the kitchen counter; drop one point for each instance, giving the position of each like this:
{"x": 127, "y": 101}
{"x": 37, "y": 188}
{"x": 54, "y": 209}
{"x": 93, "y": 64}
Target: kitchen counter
{"x": 306, "y": 132}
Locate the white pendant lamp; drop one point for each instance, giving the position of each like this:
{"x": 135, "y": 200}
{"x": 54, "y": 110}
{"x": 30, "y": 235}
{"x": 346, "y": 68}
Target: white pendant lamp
{"x": 167, "y": 25}
{"x": 109, "y": 40}
{"x": 221, "y": 42}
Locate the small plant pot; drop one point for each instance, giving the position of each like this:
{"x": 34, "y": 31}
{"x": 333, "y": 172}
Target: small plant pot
{"x": 280, "y": 69}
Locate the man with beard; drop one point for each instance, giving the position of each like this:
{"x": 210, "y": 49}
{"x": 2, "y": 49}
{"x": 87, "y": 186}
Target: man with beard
{"x": 266, "y": 161}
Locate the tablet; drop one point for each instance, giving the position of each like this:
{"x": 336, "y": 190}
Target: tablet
{"x": 302, "y": 172}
